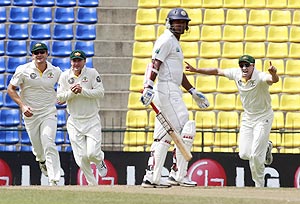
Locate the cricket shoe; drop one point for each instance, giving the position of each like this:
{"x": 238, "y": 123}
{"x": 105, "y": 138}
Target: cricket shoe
{"x": 53, "y": 183}
{"x": 269, "y": 156}
{"x": 185, "y": 182}
{"x": 102, "y": 169}
{"x": 43, "y": 168}
{"x": 148, "y": 181}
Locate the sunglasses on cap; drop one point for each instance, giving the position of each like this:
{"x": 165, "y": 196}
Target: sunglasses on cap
{"x": 39, "y": 52}
{"x": 244, "y": 65}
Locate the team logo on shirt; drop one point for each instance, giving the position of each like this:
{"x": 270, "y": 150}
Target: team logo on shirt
{"x": 33, "y": 75}
{"x": 71, "y": 80}
{"x": 177, "y": 49}
{"x": 250, "y": 82}
{"x": 157, "y": 51}
{"x": 50, "y": 75}
{"x": 85, "y": 79}
{"x": 98, "y": 79}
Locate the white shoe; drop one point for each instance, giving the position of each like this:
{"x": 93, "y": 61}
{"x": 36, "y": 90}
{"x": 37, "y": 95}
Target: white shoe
{"x": 43, "y": 168}
{"x": 171, "y": 179}
{"x": 185, "y": 182}
{"x": 269, "y": 156}
{"x": 148, "y": 181}
{"x": 53, "y": 183}
{"x": 102, "y": 169}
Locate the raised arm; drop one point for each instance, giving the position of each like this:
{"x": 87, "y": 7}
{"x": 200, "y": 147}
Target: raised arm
{"x": 274, "y": 77}
{"x": 206, "y": 71}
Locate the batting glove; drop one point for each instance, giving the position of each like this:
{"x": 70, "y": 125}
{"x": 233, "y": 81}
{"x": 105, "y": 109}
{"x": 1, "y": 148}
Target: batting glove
{"x": 200, "y": 99}
{"x": 147, "y": 96}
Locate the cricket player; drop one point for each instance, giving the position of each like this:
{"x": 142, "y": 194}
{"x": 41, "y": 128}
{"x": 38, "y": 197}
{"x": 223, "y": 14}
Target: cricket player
{"x": 82, "y": 88}
{"x": 37, "y": 100}
{"x": 256, "y": 123}
{"x": 167, "y": 66}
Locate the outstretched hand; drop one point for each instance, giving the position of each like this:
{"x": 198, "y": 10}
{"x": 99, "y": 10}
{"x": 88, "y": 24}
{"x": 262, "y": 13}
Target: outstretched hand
{"x": 189, "y": 67}
{"x": 272, "y": 70}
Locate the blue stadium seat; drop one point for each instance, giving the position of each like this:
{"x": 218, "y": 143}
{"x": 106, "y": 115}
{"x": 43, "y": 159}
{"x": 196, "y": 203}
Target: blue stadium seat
{"x": 88, "y": 3}
{"x": 64, "y": 15}
{"x": 2, "y": 86}
{"x": 17, "y": 31}
{"x": 40, "y": 31}
{"x": 60, "y": 137}
{"x": 85, "y": 32}
{"x": 41, "y": 14}
{"x": 8, "y": 78}
{"x": 63, "y": 63}
{"x": 61, "y": 118}
{"x": 9, "y": 117}
{"x": 8, "y": 102}
{"x": 86, "y": 46}
{"x": 43, "y": 3}
{"x": 2, "y": 14}
{"x": 22, "y": 2}
{"x": 66, "y": 3}
{"x": 2, "y": 65}
{"x": 67, "y": 139}
{"x": 16, "y": 48}
{"x": 2, "y": 47}
{"x": 87, "y": 15}
{"x": 63, "y": 32}
{"x": 25, "y": 138}
{"x": 89, "y": 62}
{"x": 1, "y": 96}
{"x": 19, "y": 14}
{"x": 4, "y": 3}
{"x": 14, "y": 62}
{"x": 26, "y": 148}
{"x": 9, "y": 137}
{"x": 2, "y": 31}
{"x": 61, "y": 48}
{"x": 8, "y": 148}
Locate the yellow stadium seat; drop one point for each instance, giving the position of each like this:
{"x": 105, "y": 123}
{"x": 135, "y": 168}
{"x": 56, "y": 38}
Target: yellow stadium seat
{"x": 149, "y": 140}
{"x": 134, "y": 101}
{"x": 191, "y": 61}
{"x": 291, "y": 85}
{"x": 136, "y": 83}
{"x": 152, "y": 116}
{"x": 236, "y": 17}
{"x": 295, "y": 150}
{"x": 211, "y": 33}
{"x": 278, "y": 63}
{"x": 133, "y": 149}
{"x": 136, "y": 119}
{"x": 278, "y": 34}
{"x": 278, "y": 121}
{"x": 258, "y": 64}
{"x": 144, "y": 33}
{"x": 191, "y": 3}
{"x": 238, "y": 103}
{"x": 207, "y": 137}
{"x": 277, "y": 50}
{"x": 146, "y": 16}
{"x": 293, "y": 4}
{"x": 255, "y": 4}
{"x": 193, "y": 34}
{"x": 233, "y": 33}
{"x": 224, "y": 149}
{"x": 162, "y": 15}
{"x": 289, "y": 102}
{"x": 206, "y": 83}
{"x": 210, "y": 49}
{"x": 228, "y": 120}
{"x": 276, "y": 87}
{"x": 292, "y": 67}
{"x": 190, "y": 49}
{"x": 225, "y": 139}
{"x": 169, "y": 3}
{"x": 275, "y": 101}
{"x": 160, "y": 30}
{"x": 142, "y": 49}
{"x": 188, "y": 100}
{"x": 191, "y": 79}
{"x": 294, "y": 50}
{"x": 208, "y": 63}
{"x": 255, "y": 33}
{"x": 148, "y": 3}
{"x": 294, "y": 34}
{"x": 280, "y": 17}
{"x": 228, "y": 63}
{"x": 214, "y": 17}
{"x": 255, "y": 49}
{"x": 258, "y": 17}
{"x": 232, "y": 49}
{"x": 226, "y": 86}
{"x": 138, "y": 65}
{"x": 275, "y": 137}
{"x": 233, "y": 3}
{"x": 212, "y": 3}
{"x": 195, "y": 14}
{"x": 135, "y": 137}
{"x": 225, "y": 101}
{"x": 291, "y": 140}
{"x": 200, "y": 149}
{"x": 205, "y": 119}
{"x": 276, "y": 4}
{"x": 210, "y": 98}
{"x": 296, "y": 17}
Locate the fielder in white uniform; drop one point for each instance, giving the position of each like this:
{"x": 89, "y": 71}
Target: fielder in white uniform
{"x": 37, "y": 101}
{"x": 256, "y": 123}
{"x": 82, "y": 88}
{"x": 167, "y": 65}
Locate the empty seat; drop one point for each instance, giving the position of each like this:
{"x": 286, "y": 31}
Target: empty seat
{"x": 133, "y": 148}
{"x": 206, "y": 84}
{"x": 2, "y": 14}
{"x": 64, "y": 15}
{"x": 289, "y": 102}
{"x": 9, "y": 137}
{"x": 210, "y": 49}
{"x": 61, "y": 117}
{"x": 16, "y": 48}
{"x": 169, "y": 3}
{"x": 8, "y": 78}
{"x": 255, "y": 49}
{"x": 205, "y": 139}
{"x": 41, "y": 14}
{"x": 206, "y": 63}
{"x": 9, "y": 117}
{"x": 280, "y": 17}
{"x": 189, "y": 49}
{"x": 43, "y": 3}
{"x": 144, "y": 33}
{"x": 195, "y": 14}
{"x": 275, "y": 137}
{"x": 214, "y": 17}
{"x": 138, "y": 65}
{"x": 278, "y": 34}
{"x": 137, "y": 119}
{"x": 232, "y": 49}
{"x": 61, "y": 48}
{"x": 2, "y": 31}
{"x": 25, "y": 137}
{"x": 296, "y": 17}
{"x": 233, "y": 33}
{"x": 212, "y": 4}
{"x": 135, "y": 137}
{"x": 142, "y": 49}
{"x": 205, "y": 119}
{"x": 227, "y": 119}
{"x": 278, "y": 121}
{"x": 17, "y": 31}
{"x": 292, "y": 120}
{"x": 292, "y": 67}
{"x": 258, "y": 17}
{"x": 87, "y": 46}
{"x": 255, "y": 4}
{"x": 291, "y": 84}
{"x": 1, "y": 92}
{"x": 14, "y": 62}
{"x": 88, "y": 3}
{"x": 8, "y": 102}
{"x": 226, "y": 86}
{"x": 62, "y": 32}
{"x": 294, "y": 34}
{"x": 40, "y": 32}
{"x": 63, "y": 63}
{"x": 4, "y": 3}
{"x": 294, "y": 50}
{"x": 146, "y": 16}
{"x": 136, "y": 83}
{"x": 188, "y": 100}
{"x": 160, "y": 30}
{"x": 225, "y": 139}
{"x": 228, "y": 63}
{"x": 162, "y": 15}
{"x": 276, "y": 87}
{"x": 236, "y": 17}
{"x": 233, "y": 3}
{"x": 293, "y": 4}
{"x": 191, "y": 3}
{"x": 22, "y": 2}
{"x": 277, "y": 50}
{"x": 291, "y": 140}
{"x": 211, "y": 33}
{"x": 148, "y": 3}
{"x": 8, "y": 148}
{"x": 85, "y": 32}
{"x": 89, "y": 62}
{"x": 134, "y": 101}
{"x": 255, "y": 33}
{"x": 2, "y": 65}
{"x": 66, "y": 3}
{"x": 225, "y": 101}
{"x": 276, "y": 4}
{"x": 87, "y": 15}
{"x": 19, "y": 14}
{"x": 192, "y": 35}
{"x": 2, "y": 47}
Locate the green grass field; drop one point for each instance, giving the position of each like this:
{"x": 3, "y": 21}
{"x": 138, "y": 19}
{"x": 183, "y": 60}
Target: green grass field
{"x": 138, "y": 195}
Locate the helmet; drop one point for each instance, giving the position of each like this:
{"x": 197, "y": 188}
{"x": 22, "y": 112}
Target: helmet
{"x": 176, "y": 14}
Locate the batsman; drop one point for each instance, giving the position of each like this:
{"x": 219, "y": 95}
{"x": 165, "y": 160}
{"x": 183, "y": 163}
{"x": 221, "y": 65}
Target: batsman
{"x": 167, "y": 67}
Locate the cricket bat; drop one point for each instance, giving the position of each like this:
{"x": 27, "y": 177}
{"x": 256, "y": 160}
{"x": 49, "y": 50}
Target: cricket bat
{"x": 171, "y": 131}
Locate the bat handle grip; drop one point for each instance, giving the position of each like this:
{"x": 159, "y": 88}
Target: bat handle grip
{"x": 154, "y": 108}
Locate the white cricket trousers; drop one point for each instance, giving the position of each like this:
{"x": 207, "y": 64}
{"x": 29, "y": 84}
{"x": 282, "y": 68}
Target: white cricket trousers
{"x": 253, "y": 143}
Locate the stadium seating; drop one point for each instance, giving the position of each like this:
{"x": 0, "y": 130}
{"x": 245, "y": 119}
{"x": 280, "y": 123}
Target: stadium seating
{"x": 293, "y": 4}
{"x": 19, "y": 15}
{"x": 61, "y": 48}
{"x": 232, "y": 49}
{"x": 233, "y": 3}
{"x": 136, "y": 83}
{"x": 214, "y": 17}
{"x": 142, "y": 49}
{"x": 9, "y": 117}
{"x": 85, "y": 32}
{"x": 25, "y": 138}
{"x": 88, "y": 3}
{"x": 227, "y": 120}
{"x": 255, "y": 49}
{"x": 211, "y": 33}
{"x": 16, "y": 48}
{"x": 226, "y": 86}
{"x": 291, "y": 67}
{"x": 278, "y": 63}
{"x": 294, "y": 50}
{"x": 277, "y": 50}
{"x": 205, "y": 119}
{"x": 41, "y": 15}
{"x": 5, "y": 3}
{"x": 278, "y": 121}
{"x": 22, "y": 2}
{"x": 2, "y": 14}
{"x": 14, "y": 62}
{"x": 17, "y": 31}
{"x": 64, "y": 15}
{"x": 40, "y": 32}
{"x": 134, "y": 101}
{"x": 62, "y": 63}
{"x": 9, "y": 137}
{"x": 296, "y": 17}
{"x": 135, "y": 137}
{"x": 294, "y": 34}
{"x": 280, "y": 17}
{"x": 146, "y": 16}
{"x": 44, "y": 3}
{"x": 87, "y": 15}
{"x": 162, "y": 15}
{"x": 225, "y": 101}
{"x": 255, "y": 33}
{"x": 276, "y": 87}
{"x": 138, "y": 65}
{"x": 195, "y": 15}
{"x": 192, "y": 35}
{"x": 61, "y": 118}
{"x": 1, "y": 94}
{"x": 66, "y": 3}
{"x": 210, "y": 49}
{"x": 290, "y": 85}
{"x": 278, "y": 34}
{"x": 233, "y": 33}
{"x": 212, "y": 4}
{"x": 289, "y": 102}
{"x": 169, "y": 3}
{"x": 8, "y": 102}
{"x": 137, "y": 119}
{"x": 206, "y": 84}
{"x": 191, "y": 3}
{"x": 62, "y": 32}
{"x": 87, "y": 46}
{"x": 225, "y": 139}
{"x": 2, "y": 65}
{"x": 258, "y": 16}
{"x": 2, "y": 31}
{"x": 148, "y": 3}
{"x": 2, "y": 51}
{"x": 236, "y": 17}
{"x": 276, "y": 3}
{"x": 144, "y": 33}
{"x": 190, "y": 49}
{"x": 228, "y": 63}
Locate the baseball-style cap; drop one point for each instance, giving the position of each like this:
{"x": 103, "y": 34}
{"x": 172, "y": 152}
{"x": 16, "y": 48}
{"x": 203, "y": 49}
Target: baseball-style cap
{"x": 39, "y": 46}
{"x": 247, "y": 58}
{"x": 78, "y": 54}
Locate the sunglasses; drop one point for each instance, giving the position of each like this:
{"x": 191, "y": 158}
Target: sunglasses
{"x": 244, "y": 65}
{"x": 39, "y": 52}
